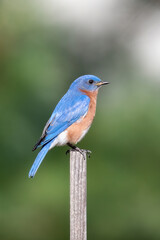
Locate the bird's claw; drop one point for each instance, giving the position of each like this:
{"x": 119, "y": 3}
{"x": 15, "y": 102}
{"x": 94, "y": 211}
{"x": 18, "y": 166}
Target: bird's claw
{"x": 88, "y": 152}
{"x": 82, "y": 151}
{"x": 68, "y": 151}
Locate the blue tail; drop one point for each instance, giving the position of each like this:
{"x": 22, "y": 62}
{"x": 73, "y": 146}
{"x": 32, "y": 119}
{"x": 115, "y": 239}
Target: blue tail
{"x": 39, "y": 159}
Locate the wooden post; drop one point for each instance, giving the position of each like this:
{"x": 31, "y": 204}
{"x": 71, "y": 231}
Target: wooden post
{"x": 78, "y": 199}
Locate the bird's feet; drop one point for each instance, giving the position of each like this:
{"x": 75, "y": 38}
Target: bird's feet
{"x": 82, "y": 151}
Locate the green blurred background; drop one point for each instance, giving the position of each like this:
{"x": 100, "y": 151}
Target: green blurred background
{"x": 44, "y": 46}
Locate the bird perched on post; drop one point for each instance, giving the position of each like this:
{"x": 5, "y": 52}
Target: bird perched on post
{"x": 71, "y": 119}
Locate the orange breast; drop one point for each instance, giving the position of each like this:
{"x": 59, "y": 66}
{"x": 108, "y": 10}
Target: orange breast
{"x": 76, "y": 130}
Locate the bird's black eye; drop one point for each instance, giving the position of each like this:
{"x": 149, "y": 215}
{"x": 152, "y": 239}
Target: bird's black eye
{"x": 90, "y": 81}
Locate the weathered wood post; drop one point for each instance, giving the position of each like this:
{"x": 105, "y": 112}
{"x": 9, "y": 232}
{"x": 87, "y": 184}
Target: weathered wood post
{"x": 78, "y": 196}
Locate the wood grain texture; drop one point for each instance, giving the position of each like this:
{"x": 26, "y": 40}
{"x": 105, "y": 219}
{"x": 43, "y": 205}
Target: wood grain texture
{"x": 78, "y": 199}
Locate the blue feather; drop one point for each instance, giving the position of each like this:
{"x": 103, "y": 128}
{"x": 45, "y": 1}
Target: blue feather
{"x": 39, "y": 159}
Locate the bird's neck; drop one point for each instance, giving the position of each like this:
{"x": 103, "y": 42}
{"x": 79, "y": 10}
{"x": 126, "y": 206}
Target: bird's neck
{"x": 91, "y": 94}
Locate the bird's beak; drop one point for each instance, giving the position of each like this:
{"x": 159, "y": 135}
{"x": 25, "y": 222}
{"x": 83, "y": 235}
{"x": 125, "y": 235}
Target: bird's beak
{"x": 99, "y": 84}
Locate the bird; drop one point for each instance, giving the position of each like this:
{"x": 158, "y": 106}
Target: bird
{"x": 71, "y": 118}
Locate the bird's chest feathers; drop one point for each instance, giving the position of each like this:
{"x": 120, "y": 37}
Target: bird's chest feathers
{"x": 78, "y": 129}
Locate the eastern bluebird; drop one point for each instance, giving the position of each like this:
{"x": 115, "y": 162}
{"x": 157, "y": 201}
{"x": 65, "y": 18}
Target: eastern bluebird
{"x": 71, "y": 119}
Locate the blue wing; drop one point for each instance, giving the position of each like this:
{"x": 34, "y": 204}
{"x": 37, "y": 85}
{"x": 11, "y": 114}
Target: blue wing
{"x": 69, "y": 109}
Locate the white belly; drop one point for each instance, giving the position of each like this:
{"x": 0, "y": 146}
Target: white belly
{"x": 60, "y": 140}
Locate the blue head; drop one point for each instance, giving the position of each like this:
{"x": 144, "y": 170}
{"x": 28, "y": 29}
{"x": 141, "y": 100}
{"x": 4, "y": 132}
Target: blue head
{"x": 88, "y": 83}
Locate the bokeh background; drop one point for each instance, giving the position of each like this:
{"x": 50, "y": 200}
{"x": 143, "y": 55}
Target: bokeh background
{"x": 44, "y": 46}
